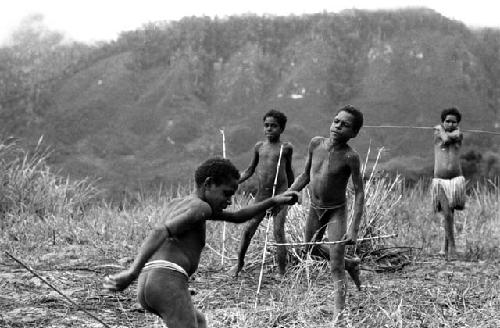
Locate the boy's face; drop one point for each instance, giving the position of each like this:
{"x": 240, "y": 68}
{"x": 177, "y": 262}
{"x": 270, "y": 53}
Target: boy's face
{"x": 450, "y": 123}
{"x": 219, "y": 196}
{"x": 341, "y": 129}
{"x": 272, "y": 129}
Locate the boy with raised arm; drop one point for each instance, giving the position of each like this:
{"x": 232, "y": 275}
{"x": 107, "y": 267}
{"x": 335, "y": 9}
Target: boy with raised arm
{"x": 171, "y": 253}
{"x": 448, "y": 185}
{"x": 330, "y": 163}
{"x": 267, "y": 153}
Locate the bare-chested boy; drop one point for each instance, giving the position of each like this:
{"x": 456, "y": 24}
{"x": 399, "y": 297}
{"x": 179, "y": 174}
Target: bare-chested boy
{"x": 330, "y": 163}
{"x": 267, "y": 153}
{"x": 171, "y": 253}
{"x": 448, "y": 185}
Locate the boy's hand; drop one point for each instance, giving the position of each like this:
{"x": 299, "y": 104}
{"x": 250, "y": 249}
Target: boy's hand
{"x": 350, "y": 238}
{"x": 119, "y": 281}
{"x": 287, "y": 198}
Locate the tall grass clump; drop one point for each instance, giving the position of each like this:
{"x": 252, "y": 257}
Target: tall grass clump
{"x": 33, "y": 198}
{"x": 477, "y": 227}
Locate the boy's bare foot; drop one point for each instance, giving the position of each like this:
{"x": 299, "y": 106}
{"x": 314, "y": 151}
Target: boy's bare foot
{"x": 452, "y": 255}
{"x": 352, "y": 267}
{"x": 235, "y": 271}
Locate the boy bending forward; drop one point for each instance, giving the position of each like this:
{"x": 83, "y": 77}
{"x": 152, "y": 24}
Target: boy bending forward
{"x": 173, "y": 249}
{"x": 330, "y": 163}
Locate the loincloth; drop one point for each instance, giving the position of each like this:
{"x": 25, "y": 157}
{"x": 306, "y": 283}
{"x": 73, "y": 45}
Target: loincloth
{"x": 454, "y": 190}
{"x": 163, "y": 264}
{"x": 322, "y": 210}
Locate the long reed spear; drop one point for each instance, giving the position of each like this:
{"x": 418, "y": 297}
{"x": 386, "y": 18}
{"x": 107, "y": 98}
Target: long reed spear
{"x": 331, "y": 242}
{"x": 268, "y": 217}
{"x": 224, "y": 223}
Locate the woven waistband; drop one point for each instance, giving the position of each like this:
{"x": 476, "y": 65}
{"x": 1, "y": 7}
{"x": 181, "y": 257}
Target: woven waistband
{"x": 163, "y": 264}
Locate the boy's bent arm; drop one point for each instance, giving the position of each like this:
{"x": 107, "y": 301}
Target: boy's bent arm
{"x": 303, "y": 179}
{"x": 289, "y": 169}
{"x": 359, "y": 196}
{"x": 253, "y": 164}
{"x": 246, "y": 213}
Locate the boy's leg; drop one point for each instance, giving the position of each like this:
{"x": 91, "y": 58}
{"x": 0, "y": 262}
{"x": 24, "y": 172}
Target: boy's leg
{"x": 450, "y": 233}
{"x": 279, "y": 237}
{"x": 352, "y": 267}
{"x": 314, "y": 231}
{"x": 165, "y": 293}
{"x": 200, "y": 319}
{"x": 246, "y": 237}
{"x": 444, "y": 216}
{"x": 336, "y": 230}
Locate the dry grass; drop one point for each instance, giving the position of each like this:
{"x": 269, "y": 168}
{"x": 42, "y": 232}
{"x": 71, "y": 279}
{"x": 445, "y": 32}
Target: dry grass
{"x": 76, "y": 251}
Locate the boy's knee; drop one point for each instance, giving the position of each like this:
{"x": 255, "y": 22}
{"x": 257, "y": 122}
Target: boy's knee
{"x": 200, "y": 319}
{"x": 279, "y": 236}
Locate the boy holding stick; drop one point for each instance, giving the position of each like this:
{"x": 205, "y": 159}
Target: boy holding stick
{"x": 330, "y": 163}
{"x": 171, "y": 253}
{"x": 448, "y": 185}
{"x": 268, "y": 153}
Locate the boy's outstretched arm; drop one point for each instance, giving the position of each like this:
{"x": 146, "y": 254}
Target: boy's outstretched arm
{"x": 253, "y": 164}
{"x": 247, "y": 213}
{"x": 304, "y": 178}
{"x": 359, "y": 198}
{"x": 288, "y": 168}
{"x": 156, "y": 238}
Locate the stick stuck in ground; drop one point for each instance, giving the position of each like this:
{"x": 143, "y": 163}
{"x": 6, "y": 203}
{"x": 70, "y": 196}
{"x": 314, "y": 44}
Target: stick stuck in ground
{"x": 268, "y": 217}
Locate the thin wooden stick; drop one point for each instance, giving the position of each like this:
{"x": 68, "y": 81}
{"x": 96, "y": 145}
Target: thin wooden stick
{"x": 331, "y": 242}
{"x": 268, "y": 217}
{"x": 60, "y": 293}
{"x": 224, "y": 223}
{"x": 424, "y": 128}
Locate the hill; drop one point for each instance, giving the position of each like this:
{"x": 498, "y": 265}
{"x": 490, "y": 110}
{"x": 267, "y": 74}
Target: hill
{"x": 148, "y": 107}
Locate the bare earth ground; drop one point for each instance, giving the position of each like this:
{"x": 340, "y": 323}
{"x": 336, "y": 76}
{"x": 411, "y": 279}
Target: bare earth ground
{"x": 422, "y": 294}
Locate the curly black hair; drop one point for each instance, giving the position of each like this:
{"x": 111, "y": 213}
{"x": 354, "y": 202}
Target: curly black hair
{"x": 356, "y": 113}
{"x": 451, "y": 111}
{"x": 279, "y": 116}
{"x": 219, "y": 169}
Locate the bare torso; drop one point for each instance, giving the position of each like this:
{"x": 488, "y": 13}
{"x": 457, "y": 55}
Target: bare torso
{"x": 329, "y": 174}
{"x": 184, "y": 249}
{"x": 269, "y": 154}
{"x": 447, "y": 157}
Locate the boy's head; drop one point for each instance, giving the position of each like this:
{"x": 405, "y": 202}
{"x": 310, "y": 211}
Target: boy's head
{"x": 450, "y": 117}
{"x": 218, "y": 180}
{"x": 347, "y": 123}
{"x": 278, "y": 116}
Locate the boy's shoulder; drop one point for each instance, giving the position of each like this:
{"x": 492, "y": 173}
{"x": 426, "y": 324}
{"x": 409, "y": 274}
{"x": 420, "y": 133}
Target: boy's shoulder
{"x": 259, "y": 145}
{"x": 351, "y": 153}
{"x": 199, "y": 207}
{"x": 287, "y": 145}
{"x": 315, "y": 141}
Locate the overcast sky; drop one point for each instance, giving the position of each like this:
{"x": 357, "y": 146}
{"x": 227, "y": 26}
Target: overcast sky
{"x": 95, "y": 20}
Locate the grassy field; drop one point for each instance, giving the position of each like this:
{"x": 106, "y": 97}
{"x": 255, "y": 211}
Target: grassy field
{"x": 64, "y": 232}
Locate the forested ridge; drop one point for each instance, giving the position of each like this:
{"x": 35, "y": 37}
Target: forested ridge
{"x": 146, "y": 108}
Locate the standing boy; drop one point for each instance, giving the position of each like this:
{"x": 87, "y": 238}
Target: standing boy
{"x": 267, "y": 153}
{"x": 330, "y": 163}
{"x": 174, "y": 247}
{"x": 448, "y": 185}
